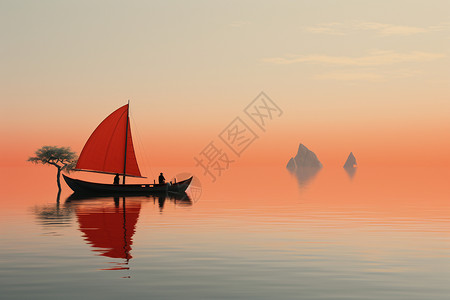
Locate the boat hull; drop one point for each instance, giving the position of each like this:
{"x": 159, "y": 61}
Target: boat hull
{"x": 180, "y": 187}
{"x": 86, "y": 187}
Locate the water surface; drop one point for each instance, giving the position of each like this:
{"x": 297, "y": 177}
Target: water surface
{"x": 258, "y": 233}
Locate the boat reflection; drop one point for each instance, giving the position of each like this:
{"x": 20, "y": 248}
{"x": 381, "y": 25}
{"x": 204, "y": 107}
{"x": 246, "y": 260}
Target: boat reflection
{"x": 179, "y": 199}
{"x": 108, "y": 224}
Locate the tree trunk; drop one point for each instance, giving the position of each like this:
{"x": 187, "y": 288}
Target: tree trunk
{"x": 58, "y": 179}
{"x": 58, "y": 197}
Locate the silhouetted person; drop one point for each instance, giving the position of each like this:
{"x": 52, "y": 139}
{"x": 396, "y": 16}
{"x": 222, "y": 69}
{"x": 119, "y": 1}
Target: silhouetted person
{"x": 161, "y": 179}
{"x": 116, "y": 179}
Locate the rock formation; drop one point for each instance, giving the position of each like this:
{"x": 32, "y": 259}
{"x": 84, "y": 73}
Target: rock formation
{"x": 351, "y": 161}
{"x": 291, "y": 165}
{"x": 305, "y": 165}
{"x": 305, "y": 158}
{"x": 350, "y": 165}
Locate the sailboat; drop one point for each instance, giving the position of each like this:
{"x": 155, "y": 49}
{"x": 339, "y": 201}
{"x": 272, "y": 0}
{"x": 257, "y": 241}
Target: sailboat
{"x": 110, "y": 150}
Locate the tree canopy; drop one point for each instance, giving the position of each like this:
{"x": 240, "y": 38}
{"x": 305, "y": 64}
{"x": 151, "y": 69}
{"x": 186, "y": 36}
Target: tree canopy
{"x": 61, "y": 157}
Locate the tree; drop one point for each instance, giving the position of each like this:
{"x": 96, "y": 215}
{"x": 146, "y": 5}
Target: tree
{"x": 61, "y": 157}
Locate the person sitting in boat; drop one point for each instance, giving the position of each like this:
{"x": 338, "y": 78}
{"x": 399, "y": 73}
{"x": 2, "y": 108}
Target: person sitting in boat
{"x": 161, "y": 179}
{"x": 116, "y": 179}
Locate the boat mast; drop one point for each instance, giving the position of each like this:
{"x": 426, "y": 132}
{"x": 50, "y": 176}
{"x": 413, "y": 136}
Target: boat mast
{"x": 126, "y": 142}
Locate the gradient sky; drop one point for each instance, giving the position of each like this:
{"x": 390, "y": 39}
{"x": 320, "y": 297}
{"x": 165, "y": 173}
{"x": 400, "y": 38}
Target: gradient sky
{"x": 372, "y": 77}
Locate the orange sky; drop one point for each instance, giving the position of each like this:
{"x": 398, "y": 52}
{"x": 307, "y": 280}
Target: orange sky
{"x": 406, "y": 144}
{"x": 348, "y": 77}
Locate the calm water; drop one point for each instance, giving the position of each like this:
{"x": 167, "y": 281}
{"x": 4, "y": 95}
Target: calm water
{"x": 254, "y": 234}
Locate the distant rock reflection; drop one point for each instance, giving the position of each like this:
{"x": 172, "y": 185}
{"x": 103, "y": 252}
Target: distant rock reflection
{"x": 351, "y": 171}
{"x": 305, "y": 175}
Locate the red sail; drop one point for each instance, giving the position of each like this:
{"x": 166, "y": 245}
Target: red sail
{"x": 105, "y": 149}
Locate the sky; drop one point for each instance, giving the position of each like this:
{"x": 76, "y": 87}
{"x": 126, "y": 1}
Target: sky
{"x": 371, "y": 77}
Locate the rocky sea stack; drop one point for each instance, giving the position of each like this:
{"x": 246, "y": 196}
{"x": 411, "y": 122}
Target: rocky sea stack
{"x": 350, "y": 162}
{"x": 305, "y": 158}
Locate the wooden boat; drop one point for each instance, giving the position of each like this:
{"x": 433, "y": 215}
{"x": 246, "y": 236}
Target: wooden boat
{"x": 86, "y": 187}
{"x": 181, "y": 186}
{"x": 110, "y": 150}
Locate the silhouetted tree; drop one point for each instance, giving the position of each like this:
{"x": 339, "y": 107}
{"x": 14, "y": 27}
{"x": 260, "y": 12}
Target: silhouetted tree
{"x": 61, "y": 157}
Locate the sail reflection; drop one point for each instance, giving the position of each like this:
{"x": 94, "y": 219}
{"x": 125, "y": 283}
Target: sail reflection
{"x": 108, "y": 224}
{"x": 109, "y": 228}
